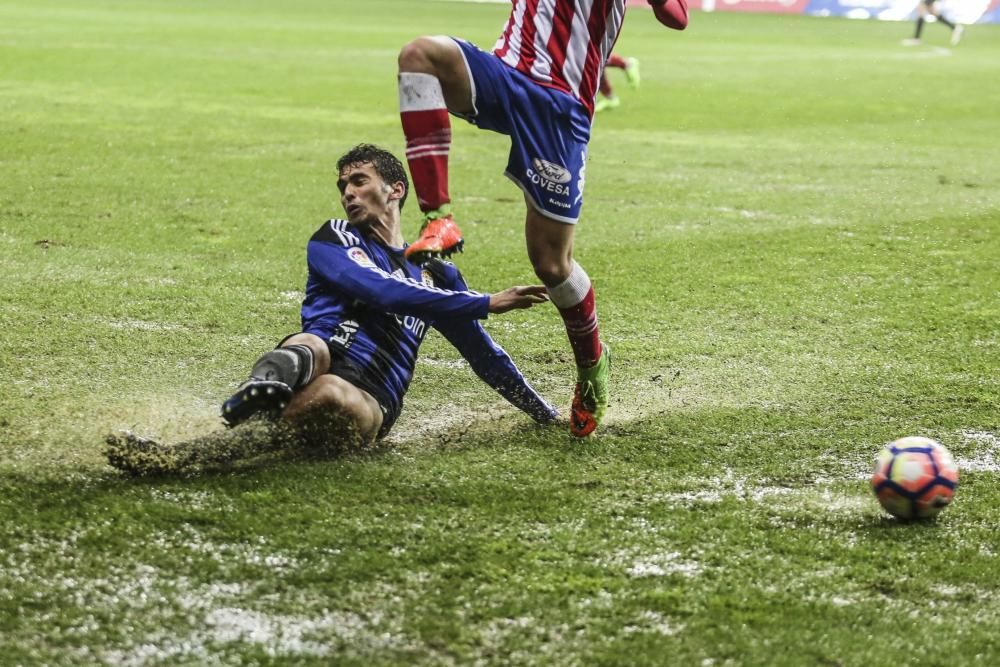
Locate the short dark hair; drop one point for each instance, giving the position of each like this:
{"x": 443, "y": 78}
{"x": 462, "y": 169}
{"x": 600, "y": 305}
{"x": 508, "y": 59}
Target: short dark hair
{"x": 386, "y": 165}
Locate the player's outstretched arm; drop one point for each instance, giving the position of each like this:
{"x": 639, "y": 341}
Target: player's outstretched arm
{"x": 488, "y": 360}
{"x": 495, "y": 367}
{"x": 516, "y": 298}
{"x": 671, "y": 13}
{"x": 350, "y": 271}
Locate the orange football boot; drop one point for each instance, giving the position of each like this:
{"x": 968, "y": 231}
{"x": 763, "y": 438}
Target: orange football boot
{"x": 439, "y": 236}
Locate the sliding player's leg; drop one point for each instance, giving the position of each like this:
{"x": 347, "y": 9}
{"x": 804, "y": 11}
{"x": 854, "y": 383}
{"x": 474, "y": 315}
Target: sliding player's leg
{"x": 276, "y": 376}
{"x": 331, "y": 412}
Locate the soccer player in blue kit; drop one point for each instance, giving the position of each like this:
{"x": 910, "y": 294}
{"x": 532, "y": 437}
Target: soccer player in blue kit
{"x": 366, "y": 311}
{"x": 339, "y": 382}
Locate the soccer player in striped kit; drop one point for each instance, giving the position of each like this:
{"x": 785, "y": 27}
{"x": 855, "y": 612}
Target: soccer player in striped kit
{"x": 538, "y": 87}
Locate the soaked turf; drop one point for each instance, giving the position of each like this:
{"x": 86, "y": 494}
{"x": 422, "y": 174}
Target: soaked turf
{"x": 792, "y": 228}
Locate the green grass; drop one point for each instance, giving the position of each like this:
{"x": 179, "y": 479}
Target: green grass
{"x": 792, "y": 227}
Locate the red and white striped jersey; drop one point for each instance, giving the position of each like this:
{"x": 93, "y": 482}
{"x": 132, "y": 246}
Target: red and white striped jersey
{"x": 562, "y": 43}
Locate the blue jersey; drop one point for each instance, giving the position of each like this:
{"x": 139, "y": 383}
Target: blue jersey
{"x": 373, "y": 307}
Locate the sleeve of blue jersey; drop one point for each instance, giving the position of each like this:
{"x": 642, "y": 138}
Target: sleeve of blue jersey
{"x": 495, "y": 367}
{"x": 330, "y": 263}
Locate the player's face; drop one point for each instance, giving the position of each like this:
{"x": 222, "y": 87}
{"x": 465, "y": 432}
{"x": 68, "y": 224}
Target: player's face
{"x": 363, "y": 194}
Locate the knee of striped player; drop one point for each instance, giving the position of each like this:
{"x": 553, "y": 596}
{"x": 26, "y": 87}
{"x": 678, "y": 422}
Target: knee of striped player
{"x": 415, "y": 55}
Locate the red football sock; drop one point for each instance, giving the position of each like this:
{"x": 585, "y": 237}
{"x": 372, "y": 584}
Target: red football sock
{"x": 574, "y": 298}
{"x": 427, "y": 129}
{"x": 581, "y": 326}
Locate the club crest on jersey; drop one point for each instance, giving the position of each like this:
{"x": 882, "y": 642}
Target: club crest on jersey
{"x": 549, "y": 176}
{"x": 361, "y": 258}
{"x": 426, "y": 277}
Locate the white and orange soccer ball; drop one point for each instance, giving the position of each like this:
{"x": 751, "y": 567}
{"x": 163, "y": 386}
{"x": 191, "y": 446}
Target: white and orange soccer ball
{"x": 914, "y": 478}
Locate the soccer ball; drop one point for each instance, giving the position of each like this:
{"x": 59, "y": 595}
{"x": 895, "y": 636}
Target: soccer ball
{"x": 914, "y": 478}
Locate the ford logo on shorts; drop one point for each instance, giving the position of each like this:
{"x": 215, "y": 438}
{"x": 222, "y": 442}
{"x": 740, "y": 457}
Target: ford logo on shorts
{"x": 552, "y": 172}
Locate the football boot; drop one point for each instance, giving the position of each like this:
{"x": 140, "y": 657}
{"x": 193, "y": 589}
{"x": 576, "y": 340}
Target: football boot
{"x": 632, "y": 72}
{"x": 956, "y": 34}
{"x": 590, "y": 400}
{"x": 607, "y": 103}
{"x": 267, "y": 398}
{"x": 439, "y": 236}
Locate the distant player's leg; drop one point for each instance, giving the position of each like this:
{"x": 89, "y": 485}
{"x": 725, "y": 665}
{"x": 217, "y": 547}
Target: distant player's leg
{"x": 632, "y": 72}
{"x": 932, "y": 8}
{"x": 956, "y": 34}
{"x": 550, "y": 248}
{"x": 276, "y": 376}
{"x": 608, "y": 99}
{"x": 629, "y": 65}
{"x": 433, "y": 81}
{"x": 956, "y": 29}
{"x": 921, "y": 19}
{"x": 616, "y": 61}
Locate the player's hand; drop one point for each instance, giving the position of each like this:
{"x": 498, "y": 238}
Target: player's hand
{"x": 515, "y": 298}
{"x": 548, "y": 415}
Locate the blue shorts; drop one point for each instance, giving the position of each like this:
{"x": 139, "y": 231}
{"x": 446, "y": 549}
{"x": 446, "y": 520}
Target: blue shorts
{"x": 548, "y": 129}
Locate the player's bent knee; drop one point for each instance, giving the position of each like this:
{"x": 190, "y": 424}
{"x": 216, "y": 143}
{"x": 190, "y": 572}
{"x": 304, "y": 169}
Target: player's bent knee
{"x": 304, "y": 338}
{"x": 410, "y": 57}
{"x": 319, "y": 347}
{"x": 418, "y": 56}
{"x": 430, "y": 55}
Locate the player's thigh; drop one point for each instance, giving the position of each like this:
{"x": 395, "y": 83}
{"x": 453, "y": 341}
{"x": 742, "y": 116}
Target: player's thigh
{"x": 548, "y": 152}
{"x": 490, "y": 88}
{"x": 550, "y": 245}
{"x": 442, "y": 57}
{"x": 333, "y": 395}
